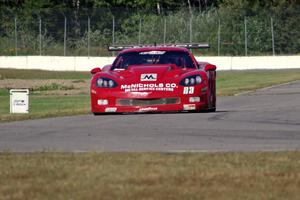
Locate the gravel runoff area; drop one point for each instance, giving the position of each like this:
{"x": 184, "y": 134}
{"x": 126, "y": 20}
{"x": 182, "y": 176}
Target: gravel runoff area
{"x": 265, "y": 120}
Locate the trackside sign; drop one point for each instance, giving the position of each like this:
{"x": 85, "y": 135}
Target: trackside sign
{"x": 19, "y": 100}
{"x": 141, "y": 87}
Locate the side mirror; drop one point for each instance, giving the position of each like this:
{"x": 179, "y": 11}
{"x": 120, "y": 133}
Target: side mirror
{"x": 210, "y": 67}
{"x": 95, "y": 70}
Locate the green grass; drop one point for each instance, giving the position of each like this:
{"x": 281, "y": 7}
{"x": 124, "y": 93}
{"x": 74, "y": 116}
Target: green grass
{"x": 47, "y": 106}
{"x": 41, "y": 74}
{"x": 228, "y": 83}
{"x": 226, "y": 176}
{"x": 3, "y": 92}
{"x": 233, "y": 82}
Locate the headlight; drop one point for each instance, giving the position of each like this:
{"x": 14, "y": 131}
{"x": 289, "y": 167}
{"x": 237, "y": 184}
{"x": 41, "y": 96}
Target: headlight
{"x": 99, "y": 81}
{"x": 106, "y": 83}
{"x": 198, "y": 79}
{"x": 111, "y": 83}
{"x": 186, "y": 81}
{"x": 191, "y": 80}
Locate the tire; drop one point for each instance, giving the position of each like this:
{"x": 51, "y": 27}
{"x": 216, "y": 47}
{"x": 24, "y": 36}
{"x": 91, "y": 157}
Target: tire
{"x": 212, "y": 97}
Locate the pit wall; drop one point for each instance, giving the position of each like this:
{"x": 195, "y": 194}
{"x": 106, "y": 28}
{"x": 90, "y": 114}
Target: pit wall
{"x": 60, "y": 63}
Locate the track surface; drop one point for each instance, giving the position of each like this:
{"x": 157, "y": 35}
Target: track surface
{"x": 266, "y": 120}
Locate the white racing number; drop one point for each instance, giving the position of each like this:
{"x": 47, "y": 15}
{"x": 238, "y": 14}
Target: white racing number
{"x": 188, "y": 90}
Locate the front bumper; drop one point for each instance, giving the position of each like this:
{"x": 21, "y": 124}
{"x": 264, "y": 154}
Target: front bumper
{"x": 145, "y": 102}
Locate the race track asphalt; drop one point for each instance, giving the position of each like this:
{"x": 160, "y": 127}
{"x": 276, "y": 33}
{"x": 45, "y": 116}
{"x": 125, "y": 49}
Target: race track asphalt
{"x": 265, "y": 120}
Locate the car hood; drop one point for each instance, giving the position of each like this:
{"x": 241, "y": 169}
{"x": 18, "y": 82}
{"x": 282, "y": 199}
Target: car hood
{"x": 149, "y": 73}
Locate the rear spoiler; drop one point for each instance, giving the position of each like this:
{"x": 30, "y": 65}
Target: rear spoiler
{"x": 183, "y": 45}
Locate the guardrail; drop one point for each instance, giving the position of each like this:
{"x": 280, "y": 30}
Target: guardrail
{"x": 61, "y": 63}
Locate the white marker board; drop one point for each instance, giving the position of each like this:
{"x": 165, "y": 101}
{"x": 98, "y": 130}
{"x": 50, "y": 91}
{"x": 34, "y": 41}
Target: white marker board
{"x": 19, "y": 100}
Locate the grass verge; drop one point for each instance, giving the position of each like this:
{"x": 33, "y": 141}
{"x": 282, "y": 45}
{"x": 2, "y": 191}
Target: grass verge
{"x": 150, "y": 176}
{"x": 228, "y": 83}
{"x": 47, "y": 106}
{"x": 41, "y": 74}
{"x": 233, "y": 82}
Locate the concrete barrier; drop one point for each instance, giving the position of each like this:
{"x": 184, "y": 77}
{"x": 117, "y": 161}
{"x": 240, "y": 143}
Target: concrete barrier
{"x": 55, "y": 63}
{"x": 60, "y": 63}
{"x": 253, "y": 62}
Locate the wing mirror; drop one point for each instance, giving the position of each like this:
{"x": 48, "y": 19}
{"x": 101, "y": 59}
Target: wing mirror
{"x": 210, "y": 67}
{"x": 95, "y": 70}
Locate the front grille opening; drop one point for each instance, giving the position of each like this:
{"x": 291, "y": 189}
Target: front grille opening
{"x": 147, "y": 102}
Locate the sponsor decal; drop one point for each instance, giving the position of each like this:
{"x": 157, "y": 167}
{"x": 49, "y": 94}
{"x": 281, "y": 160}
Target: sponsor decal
{"x": 188, "y": 90}
{"x": 152, "y": 53}
{"x": 147, "y": 109}
{"x": 148, "y": 77}
{"x": 112, "y": 109}
{"x": 141, "y": 87}
{"x": 189, "y": 107}
{"x": 18, "y": 102}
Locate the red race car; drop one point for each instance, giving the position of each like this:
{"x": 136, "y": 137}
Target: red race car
{"x": 154, "y": 78}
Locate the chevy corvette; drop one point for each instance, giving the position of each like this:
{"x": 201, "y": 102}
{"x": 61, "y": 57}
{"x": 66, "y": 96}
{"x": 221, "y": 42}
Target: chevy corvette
{"x": 156, "y": 78}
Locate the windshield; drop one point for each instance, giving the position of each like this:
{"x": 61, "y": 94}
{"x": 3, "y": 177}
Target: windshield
{"x": 179, "y": 58}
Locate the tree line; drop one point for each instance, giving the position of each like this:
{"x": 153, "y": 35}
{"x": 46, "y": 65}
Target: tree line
{"x": 230, "y": 26}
